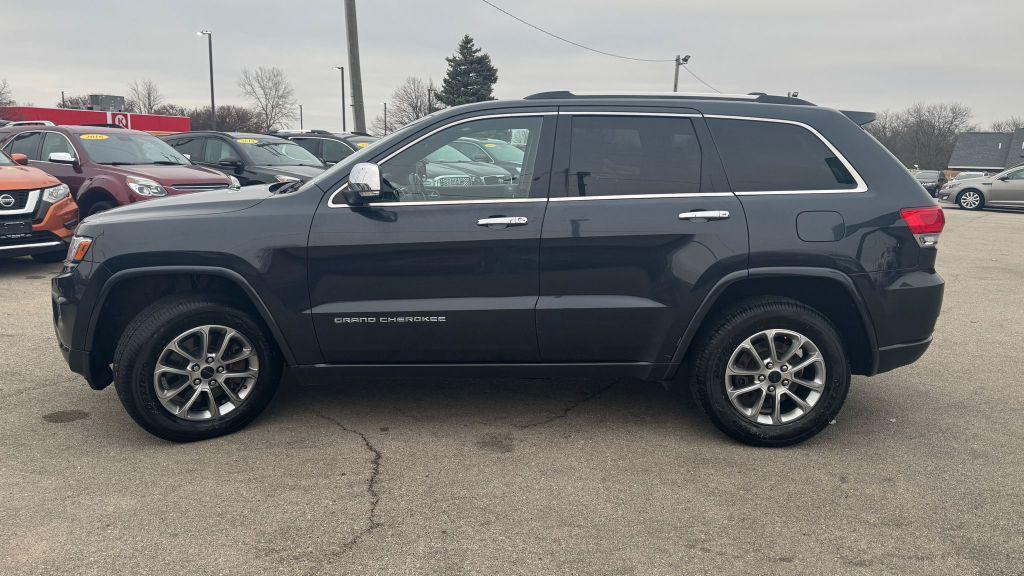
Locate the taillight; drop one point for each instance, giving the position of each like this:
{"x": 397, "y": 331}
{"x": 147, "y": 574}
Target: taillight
{"x": 925, "y": 224}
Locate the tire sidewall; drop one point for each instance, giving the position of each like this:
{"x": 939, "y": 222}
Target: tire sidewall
{"x": 721, "y": 410}
{"x": 135, "y": 381}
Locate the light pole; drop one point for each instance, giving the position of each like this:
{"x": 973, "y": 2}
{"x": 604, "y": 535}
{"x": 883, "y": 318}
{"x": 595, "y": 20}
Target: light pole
{"x": 213, "y": 106}
{"x": 680, "y": 61}
{"x": 300, "y": 116}
{"x": 385, "y": 118}
{"x": 342, "y": 68}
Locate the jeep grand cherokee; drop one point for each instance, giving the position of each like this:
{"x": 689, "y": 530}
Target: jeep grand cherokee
{"x": 757, "y": 249}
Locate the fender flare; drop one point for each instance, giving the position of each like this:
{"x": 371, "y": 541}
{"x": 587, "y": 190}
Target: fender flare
{"x": 226, "y": 273}
{"x": 713, "y": 295}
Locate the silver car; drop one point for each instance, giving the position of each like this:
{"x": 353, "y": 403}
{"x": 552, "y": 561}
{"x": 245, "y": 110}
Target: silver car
{"x": 1004, "y": 190}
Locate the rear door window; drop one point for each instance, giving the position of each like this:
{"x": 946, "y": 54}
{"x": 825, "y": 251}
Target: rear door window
{"x": 192, "y": 147}
{"x": 335, "y": 151}
{"x": 632, "y": 155}
{"x": 762, "y": 156}
{"x": 26, "y": 143}
{"x": 310, "y": 144}
{"x": 218, "y": 150}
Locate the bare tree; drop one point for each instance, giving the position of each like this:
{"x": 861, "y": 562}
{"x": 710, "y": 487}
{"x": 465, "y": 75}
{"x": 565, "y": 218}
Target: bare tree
{"x": 74, "y": 102}
{"x": 5, "y": 93}
{"x": 272, "y": 96}
{"x": 414, "y": 99}
{"x": 924, "y": 134}
{"x": 229, "y": 118}
{"x": 143, "y": 97}
{"x": 1011, "y": 124}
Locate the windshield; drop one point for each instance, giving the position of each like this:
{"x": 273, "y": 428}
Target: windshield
{"x": 505, "y": 152}
{"x": 927, "y": 176}
{"x": 968, "y": 175}
{"x": 5, "y": 161}
{"x": 130, "y": 149}
{"x": 276, "y": 153}
{"x": 447, "y": 154}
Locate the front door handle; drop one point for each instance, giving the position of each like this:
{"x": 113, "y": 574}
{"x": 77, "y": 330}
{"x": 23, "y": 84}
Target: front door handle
{"x": 504, "y": 221}
{"x": 705, "y": 215}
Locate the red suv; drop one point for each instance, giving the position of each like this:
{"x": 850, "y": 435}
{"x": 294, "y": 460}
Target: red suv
{"x": 109, "y": 167}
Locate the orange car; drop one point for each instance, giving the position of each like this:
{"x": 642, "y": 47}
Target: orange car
{"x": 37, "y": 212}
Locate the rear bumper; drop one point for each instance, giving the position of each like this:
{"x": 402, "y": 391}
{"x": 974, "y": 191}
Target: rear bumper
{"x": 892, "y": 357}
{"x": 904, "y": 307}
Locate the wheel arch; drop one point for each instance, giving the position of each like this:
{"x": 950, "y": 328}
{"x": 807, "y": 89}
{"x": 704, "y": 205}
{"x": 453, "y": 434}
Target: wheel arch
{"x": 827, "y": 290}
{"x": 95, "y": 193}
{"x": 116, "y": 304}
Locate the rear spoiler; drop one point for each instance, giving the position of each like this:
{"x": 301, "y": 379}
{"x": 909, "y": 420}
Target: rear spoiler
{"x": 861, "y": 118}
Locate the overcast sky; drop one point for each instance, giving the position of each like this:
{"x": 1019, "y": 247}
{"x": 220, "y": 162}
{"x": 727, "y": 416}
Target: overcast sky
{"x": 864, "y": 54}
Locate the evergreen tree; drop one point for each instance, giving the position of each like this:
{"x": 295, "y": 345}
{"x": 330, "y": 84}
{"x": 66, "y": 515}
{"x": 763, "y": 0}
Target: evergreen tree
{"x": 470, "y": 77}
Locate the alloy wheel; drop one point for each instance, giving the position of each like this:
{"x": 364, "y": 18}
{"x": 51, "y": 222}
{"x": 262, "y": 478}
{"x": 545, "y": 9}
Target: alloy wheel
{"x": 775, "y": 377}
{"x": 206, "y": 372}
{"x": 970, "y": 200}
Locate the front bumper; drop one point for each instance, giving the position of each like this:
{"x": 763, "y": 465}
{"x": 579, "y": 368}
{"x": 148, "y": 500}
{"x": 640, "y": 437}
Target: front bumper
{"x": 35, "y": 243}
{"x": 68, "y": 291}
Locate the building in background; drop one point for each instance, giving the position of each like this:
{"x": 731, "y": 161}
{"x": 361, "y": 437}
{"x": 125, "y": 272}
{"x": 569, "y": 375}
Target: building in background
{"x": 987, "y": 151}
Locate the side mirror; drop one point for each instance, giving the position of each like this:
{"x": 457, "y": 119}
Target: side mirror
{"x": 62, "y": 158}
{"x": 20, "y": 159}
{"x": 363, "y": 183}
{"x": 187, "y": 156}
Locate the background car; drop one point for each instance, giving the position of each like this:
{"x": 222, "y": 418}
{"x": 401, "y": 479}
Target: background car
{"x": 329, "y": 147}
{"x": 932, "y": 180}
{"x": 448, "y": 173}
{"x": 1004, "y": 190}
{"x": 37, "y": 212}
{"x": 251, "y": 158}
{"x": 109, "y": 167}
{"x": 492, "y": 151}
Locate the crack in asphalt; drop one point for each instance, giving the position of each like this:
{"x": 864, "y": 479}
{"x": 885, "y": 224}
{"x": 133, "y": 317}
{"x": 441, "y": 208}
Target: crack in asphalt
{"x": 572, "y": 406}
{"x": 371, "y": 484}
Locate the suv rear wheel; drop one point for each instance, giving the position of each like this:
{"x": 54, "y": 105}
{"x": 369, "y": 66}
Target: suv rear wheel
{"x": 772, "y": 372}
{"x": 191, "y": 368}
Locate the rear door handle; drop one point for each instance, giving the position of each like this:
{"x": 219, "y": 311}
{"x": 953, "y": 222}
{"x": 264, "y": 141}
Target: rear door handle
{"x": 504, "y": 221}
{"x": 705, "y": 215}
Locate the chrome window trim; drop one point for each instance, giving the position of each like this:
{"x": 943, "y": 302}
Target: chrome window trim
{"x": 30, "y": 204}
{"x": 858, "y": 189}
{"x": 861, "y": 186}
{"x": 332, "y": 204}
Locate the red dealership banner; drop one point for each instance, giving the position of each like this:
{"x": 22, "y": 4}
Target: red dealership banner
{"x": 153, "y": 123}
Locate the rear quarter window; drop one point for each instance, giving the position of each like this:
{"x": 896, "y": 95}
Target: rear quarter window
{"x": 764, "y": 156}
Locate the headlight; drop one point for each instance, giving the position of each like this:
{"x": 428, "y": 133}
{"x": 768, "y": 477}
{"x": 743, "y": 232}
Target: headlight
{"x": 286, "y": 178}
{"x": 78, "y": 248}
{"x": 56, "y": 193}
{"x": 145, "y": 187}
{"x": 235, "y": 184}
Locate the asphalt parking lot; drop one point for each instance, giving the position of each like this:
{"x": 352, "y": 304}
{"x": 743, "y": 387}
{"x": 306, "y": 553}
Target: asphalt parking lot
{"x": 922, "y": 473}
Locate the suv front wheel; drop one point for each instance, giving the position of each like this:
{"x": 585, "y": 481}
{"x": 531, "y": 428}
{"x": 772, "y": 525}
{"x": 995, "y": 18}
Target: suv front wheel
{"x": 772, "y": 372}
{"x": 191, "y": 368}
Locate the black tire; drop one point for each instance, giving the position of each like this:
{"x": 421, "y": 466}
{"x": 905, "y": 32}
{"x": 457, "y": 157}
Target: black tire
{"x": 143, "y": 341}
{"x": 723, "y": 336}
{"x": 50, "y": 257}
{"x": 981, "y": 200}
{"x": 100, "y": 207}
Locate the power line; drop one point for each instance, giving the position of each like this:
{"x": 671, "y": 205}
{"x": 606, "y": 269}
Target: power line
{"x": 595, "y": 50}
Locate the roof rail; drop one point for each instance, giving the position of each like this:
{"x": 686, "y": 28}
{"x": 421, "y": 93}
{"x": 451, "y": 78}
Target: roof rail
{"x": 752, "y": 97}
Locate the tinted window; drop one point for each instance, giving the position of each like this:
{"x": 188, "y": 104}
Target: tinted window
{"x": 1018, "y": 175}
{"x": 310, "y": 144}
{"x": 26, "y": 143}
{"x": 772, "y": 156}
{"x": 193, "y": 147}
{"x": 54, "y": 142}
{"x": 277, "y": 153}
{"x": 218, "y": 150}
{"x": 433, "y": 170}
{"x": 612, "y": 156}
{"x": 335, "y": 151}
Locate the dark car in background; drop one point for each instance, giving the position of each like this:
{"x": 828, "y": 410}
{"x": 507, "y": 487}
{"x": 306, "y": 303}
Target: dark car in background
{"x": 251, "y": 158}
{"x": 449, "y": 174}
{"x": 932, "y": 180}
{"x": 109, "y": 167}
{"x": 329, "y": 147}
{"x": 492, "y": 151}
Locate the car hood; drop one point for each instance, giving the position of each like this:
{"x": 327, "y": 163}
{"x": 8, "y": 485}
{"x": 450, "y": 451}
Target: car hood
{"x": 171, "y": 175}
{"x": 301, "y": 172}
{"x": 184, "y": 205}
{"x": 25, "y": 178}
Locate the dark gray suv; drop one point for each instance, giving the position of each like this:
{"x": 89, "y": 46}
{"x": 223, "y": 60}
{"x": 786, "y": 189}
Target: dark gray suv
{"x": 757, "y": 250}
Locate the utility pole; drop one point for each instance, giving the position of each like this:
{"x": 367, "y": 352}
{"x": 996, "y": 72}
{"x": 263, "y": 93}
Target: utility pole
{"x": 342, "y": 68}
{"x": 300, "y": 116}
{"x": 385, "y": 118}
{"x": 213, "y": 106}
{"x": 680, "y": 61}
{"x": 352, "y": 35}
